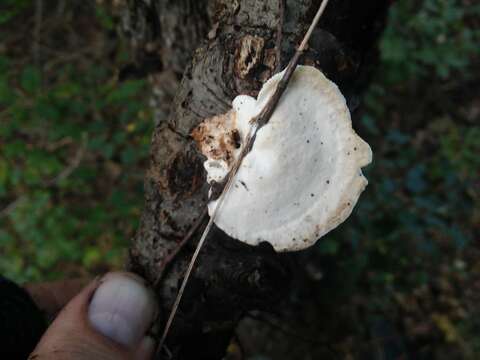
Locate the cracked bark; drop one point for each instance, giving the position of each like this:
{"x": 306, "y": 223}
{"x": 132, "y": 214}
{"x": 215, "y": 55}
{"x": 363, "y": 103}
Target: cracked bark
{"x": 224, "y": 48}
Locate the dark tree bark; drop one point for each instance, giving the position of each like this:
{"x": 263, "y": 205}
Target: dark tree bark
{"x": 224, "y": 48}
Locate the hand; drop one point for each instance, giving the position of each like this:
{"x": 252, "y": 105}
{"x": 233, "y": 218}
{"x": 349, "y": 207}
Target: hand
{"x": 107, "y": 320}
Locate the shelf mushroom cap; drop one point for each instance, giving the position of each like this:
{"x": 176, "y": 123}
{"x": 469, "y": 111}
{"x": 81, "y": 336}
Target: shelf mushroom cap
{"x": 302, "y": 177}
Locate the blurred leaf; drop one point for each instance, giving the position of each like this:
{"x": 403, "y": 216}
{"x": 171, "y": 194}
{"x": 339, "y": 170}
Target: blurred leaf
{"x": 415, "y": 180}
{"x": 125, "y": 90}
{"x": 91, "y": 257}
{"x": 31, "y": 79}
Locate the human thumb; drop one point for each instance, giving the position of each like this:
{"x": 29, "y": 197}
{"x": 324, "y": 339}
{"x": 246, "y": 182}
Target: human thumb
{"x": 108, "y": 319}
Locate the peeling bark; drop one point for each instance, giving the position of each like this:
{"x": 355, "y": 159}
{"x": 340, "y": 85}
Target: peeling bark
{"x": 224, "y": 48}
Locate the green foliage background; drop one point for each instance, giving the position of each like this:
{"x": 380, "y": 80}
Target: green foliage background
{"x": 410, "y": 255}
{"x": 74, "y": 145}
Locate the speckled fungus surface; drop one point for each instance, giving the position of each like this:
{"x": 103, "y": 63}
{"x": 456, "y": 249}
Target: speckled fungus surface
{"x": 302, "y": 176}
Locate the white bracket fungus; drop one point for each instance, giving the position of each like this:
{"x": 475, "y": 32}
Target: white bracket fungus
{"x": 302, "y": 176}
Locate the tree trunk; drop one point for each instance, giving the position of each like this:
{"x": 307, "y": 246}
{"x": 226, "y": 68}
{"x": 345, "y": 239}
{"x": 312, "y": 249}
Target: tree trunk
{"x": 224, "y": 48}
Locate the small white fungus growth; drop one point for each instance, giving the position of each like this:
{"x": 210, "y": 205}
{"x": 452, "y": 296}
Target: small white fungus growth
{"x": 303, "y": 175}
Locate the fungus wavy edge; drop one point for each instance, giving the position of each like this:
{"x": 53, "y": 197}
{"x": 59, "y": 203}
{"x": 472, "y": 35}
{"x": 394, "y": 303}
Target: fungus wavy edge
{"x": 239, "y": 216}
